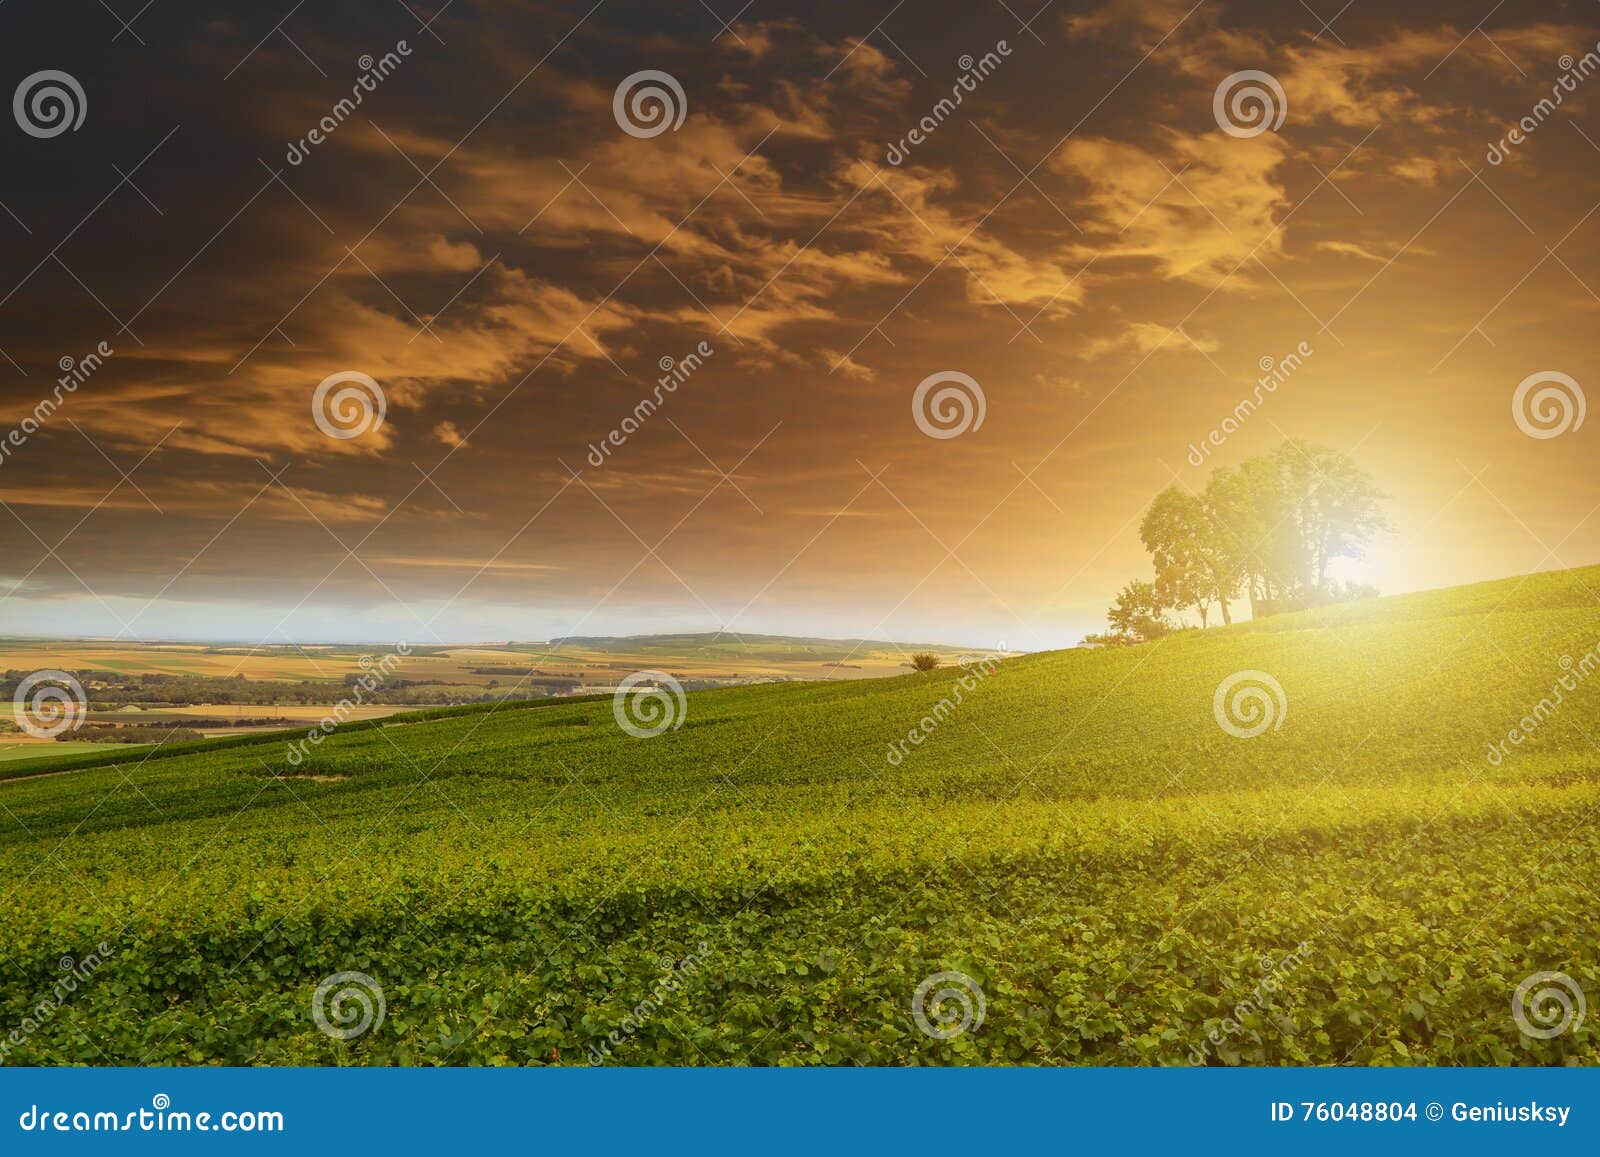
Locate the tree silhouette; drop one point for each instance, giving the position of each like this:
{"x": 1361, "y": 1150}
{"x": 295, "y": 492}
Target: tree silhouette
{"x": 1138, "y": 615}
{"x": 1268, "y": 528}
{"x": 1193, "y": 569}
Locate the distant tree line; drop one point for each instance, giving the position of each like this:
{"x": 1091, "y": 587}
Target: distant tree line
{"x": 127, "y": 734}
{"x": 110, "y": 690}
{"x": 1267, "y": 530}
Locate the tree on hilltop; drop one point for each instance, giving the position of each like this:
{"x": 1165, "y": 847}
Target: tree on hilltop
{"x": 1268, "y": 528}
{"x": 1139, "y": 615}
{"x": 1193, "y": 567}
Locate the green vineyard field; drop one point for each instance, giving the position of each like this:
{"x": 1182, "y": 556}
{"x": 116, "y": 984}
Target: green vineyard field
{"x": 1123, "y": 879}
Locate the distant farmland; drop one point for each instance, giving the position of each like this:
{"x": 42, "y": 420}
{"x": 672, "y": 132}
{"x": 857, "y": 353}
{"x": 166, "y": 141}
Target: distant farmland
{"x": 284, "y": 684}
{"x": 700, "y": 656}
{"x": 1105, "y": 858}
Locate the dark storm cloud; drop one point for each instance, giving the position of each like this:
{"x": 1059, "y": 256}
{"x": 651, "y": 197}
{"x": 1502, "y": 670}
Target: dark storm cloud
{"x": 481, "y": 238}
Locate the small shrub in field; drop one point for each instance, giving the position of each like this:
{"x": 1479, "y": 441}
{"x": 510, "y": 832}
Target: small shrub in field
{"x": 924, "y": 661}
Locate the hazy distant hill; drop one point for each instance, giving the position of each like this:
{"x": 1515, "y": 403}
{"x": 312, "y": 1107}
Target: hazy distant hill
{"x": 729, "y": 643}
{"x": 1340, "y": 840}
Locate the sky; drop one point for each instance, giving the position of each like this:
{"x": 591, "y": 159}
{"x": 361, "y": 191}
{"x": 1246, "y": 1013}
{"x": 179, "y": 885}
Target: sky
{"x": 611, "y": 318}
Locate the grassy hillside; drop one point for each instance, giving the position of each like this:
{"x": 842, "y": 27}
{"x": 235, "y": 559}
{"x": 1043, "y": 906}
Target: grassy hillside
{"x": 1126, "y": 881}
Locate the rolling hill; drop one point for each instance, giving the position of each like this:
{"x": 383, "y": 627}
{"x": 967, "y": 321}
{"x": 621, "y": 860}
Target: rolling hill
{"x": 1343, "y": 858}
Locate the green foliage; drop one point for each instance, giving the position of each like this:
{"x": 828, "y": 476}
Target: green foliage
{"x": 924, "y": 661}
{"x": 1139, "y": 614}
{"x": 128, "y": 733}
{"x": 1080, "y": 838}
{"x": 1282, "y": 518}
{"x": 1268, "y": 528}
{"x": 1194, "y": 565}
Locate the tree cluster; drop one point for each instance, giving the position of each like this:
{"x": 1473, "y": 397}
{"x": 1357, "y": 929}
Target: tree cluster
{"x": 1267, "y": 530}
